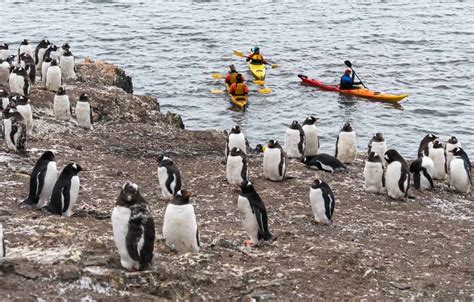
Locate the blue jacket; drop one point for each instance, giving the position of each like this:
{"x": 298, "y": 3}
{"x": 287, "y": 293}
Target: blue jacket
{"x": 346, "y": 82}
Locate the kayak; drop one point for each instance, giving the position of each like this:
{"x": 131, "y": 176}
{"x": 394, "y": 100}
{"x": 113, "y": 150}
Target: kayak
{"x": 360, "y": 92}
{"x": 239, "y": 101}
{"x": 258, "y": 71}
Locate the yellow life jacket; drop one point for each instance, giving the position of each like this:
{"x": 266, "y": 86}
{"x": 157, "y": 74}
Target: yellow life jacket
{"x": 233, "y": 77}
{"x": 239, "y": 89}
{"x": 257, "y": 57}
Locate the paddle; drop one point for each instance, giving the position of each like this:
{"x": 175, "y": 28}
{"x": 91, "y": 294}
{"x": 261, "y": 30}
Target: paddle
{"x": 349, "y": 64}
{"x": 240, "y": 54}
{"x": 219, "y": 76}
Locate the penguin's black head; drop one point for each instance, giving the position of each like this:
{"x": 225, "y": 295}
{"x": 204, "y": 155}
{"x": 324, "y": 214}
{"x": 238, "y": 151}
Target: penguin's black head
{"x": 317, "y": 183}
{"x": 47, "y": 60}
{"x": 44, "y": 42}
{"x": 247, "y": 186}
{"x": 374, "y": 157}
{"x": 20, "y": 100}
{"x": 458, "y": 151}
{"x": 66, "y": 46}
{"x": 54, "y": 63}
{"x": 67, "y": 53}
{"x": 392, "y": 155}
{"x": 378, "y": 137}
{"x": 3, "y": 93}
{"x": 73, "y": 168}
{"x": 129, "y": 192}
{"x": 271, "y": 143}
{"x": 294, "y": 125}
{"x": 310, "y": 120}
{"x": 9, "y": 112}
{"x": 453, "y": 140}
{"x": 24, "y": 42}
{"x": 83, "y": 98}
{"x": 235, "y": 129}
{"x": 4, "y": 46}
{"x": 61, "y": 91}
{"x": 259, "y": 148}
{"x": 48, "y": 155}
{"x": 347, "y": 127}
{"x": 437, "y": 144}
{"x": 163, "y": 158}
{"x": 181, "y": 197}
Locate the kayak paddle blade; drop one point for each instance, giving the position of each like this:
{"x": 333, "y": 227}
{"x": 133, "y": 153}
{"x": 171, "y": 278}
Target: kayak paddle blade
{"x": 259, "y": 82}
{"x": 216, "y": 76}
{"x": 264, "y": 90}
{"x": 275, "y": 65}
{"x": 239, "y": 54}
{"x": 348, "y": 63}
{"x": 216, "y": 91}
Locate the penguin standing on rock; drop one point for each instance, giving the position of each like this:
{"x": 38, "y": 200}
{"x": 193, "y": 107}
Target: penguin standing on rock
{"x": 14, "y": 129}
{"x": 84, "y": 112}
{"x": 235, "y": 139}
{"x": 23, "y": 106}
{"x": 438, "y": 155}
{"x": 450, "y": 145}
{"x": 65, "y": 191}
{"x": 460, "y": 171}
{"x": 20, "y": 81}
{"x": 44, "y": 70}
{"x": 62, "y": 107}
{"x": 254, "y": 215}
{"x": 377, "y": 144}
{"x": 324, "y": 162}
{"x": 133, "y": 228}
{"x": 25, "y": 48}
{"x": 322, "y": 201}
{"x": 4, "y": 51}
{"x": 53, "y": 77}
{"x": 236, "y": 167}
{"x": 274, "y": 161}
{"x": 180, "y": 228}
{"x": 39, "y": 53}
{"x": 374, "y": 174}
{"x": 42, "y": 181}
{"x": 346, "y": 144}
{"x": 295, "y": 141}
{"x": 68, "y": 68}
{"x": 311, "y": 135}
{"x": 423, "y": 170}
{"x": 397, "y": 177}
{"x": 426, "y": 144}
{"x": 169, "y": 177}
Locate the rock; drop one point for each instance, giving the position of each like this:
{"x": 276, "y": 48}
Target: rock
{"x": 123, "y": 81}
{"x": 400, "y": 285}
{"x": 174, "y": 119}
{"x": 69, "y": 273}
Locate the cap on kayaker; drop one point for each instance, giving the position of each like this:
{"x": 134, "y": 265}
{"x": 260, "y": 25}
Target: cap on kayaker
{"x": 256, "y": 49}
{"x": 347, "y": 71}
{"x": 232, "y": 68}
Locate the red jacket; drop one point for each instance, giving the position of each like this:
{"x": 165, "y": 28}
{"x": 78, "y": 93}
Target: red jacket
{"x": 238, "y": 89}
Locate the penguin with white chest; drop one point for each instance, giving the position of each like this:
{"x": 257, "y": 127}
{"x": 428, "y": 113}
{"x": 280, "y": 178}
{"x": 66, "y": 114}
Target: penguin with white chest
{"x": 397, "y": 177}
{"x": 84, "y": 112}
{"x": 374, "y": 174}
{"x": 28, "y": 63}
{"x": 4, "y": 73}
{"x": 62, "y": 107}
{"x": 450, "y": 145}
{"x": 53, "y": 77}
{"x": 44, "y": 70}
{"x": 378, "y": 145}
{"x": 19, "y": 82}
{"x": 68, "y": 68}
{"x": 322, "y": 201}
{"x": 236, "y": 167}
{"x": 4, "y": 51}
{"x": 23, "y": 106}
{"x": 254, "y": 215}
{"x": 169, "y": 177}
{"x": 346, "y": 144}
{"x": 25, "y": 48}
{"x": 426, "y": 144}
{"x": 295, "y": 141}
{"x": 65, "y": 191}
{"x": 235, "y": 139}
{"x": 438, "y": 155}
{"x": 52, "y": 53}
{"x": 14, "y": 129}
{"x": 180, "y": 228}
{"x": 133, "y": 228}
{"x": 42, "y": 180}
{"x": 274, "y": 161}
{"x": 324, "y": 162}
{"x": 311, "y": 136}
{"x": 423, "y": 170}
{"x": 39, "y": 53}
{"x": 460, "y": 171}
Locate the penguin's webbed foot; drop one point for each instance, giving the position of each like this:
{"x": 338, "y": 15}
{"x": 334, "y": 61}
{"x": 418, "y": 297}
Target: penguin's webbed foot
{"x": 249, "y": 243}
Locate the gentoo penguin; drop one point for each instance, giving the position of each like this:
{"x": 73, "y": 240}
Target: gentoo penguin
{"x": 25, "y": 47}
{"x": 450, "y": 145}
{"x": 236, "y": 167}
{"x": 374, "y": 174}
{"x": 4, "y": 73}
{"x": 311, "y": 134}
{"x": 423, "y": 170}
{"x": 438, "y": 155}
{"x": 324, "y": 162}
{"x": 84, "y": 112}
{"x": 19, "y": 81}
{"x": 4, "y": 99}
{"x": 68, "y": 68}
{"x": 62, "y": 106}
{"x": 460, "y": 171}
{"x": 274, "y": 161}
{"x": 23, "y": 106}
{"x": 425, "y": 144}
{"x": 53, "y": 77}
{"x": 346, "y": 144}
{"x": 133, "y": 228}
{"x": 52, "y": 52}
{"x": 397, "y": 177}
{"x": 3, "y": 253}
{"x": 39, "y": 53}
{"x": 180, "y": 228}
{"x": 254, "y": 215}
{"x": 64, "y": 48}
{"x": 322, "y": 201}
{"x": 44, "y": 70}
{"x": 42, "y": 181}
{"x": 294, "y": 141}
{"x": 65, "y": 191}
{"x": 168, "y": 177}
{"x": 14, "y": 129}
{"x": 28, "y": 63}
{"x": 4, "y": 51}
{"x": 235, "y": 139}
{"x": 377, "y": 144}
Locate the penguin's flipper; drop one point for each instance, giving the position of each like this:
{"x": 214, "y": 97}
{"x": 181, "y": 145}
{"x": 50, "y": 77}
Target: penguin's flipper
{"x": 425, "y": 173}
{"x": 66, "y": 198}
{"x": 34, "y": 191}
{"x": 134, "y": 235}
{"x": 146, "y": 252}
{"x": 403, "y": 178}
{"x": 169, "y": 181}
{"x": 329, "y": 201}
{"x": 197, "y": 238}
{"x": 21, "y": 143}
{"x": 260, "y": 211}
{"x": 90, "y": 110}
{"x": 337, "y": 143}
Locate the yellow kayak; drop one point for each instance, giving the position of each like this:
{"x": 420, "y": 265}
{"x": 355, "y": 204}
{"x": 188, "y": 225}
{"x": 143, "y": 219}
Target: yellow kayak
{"x": 258, "y": 71}
{"x": 239, "y": 101}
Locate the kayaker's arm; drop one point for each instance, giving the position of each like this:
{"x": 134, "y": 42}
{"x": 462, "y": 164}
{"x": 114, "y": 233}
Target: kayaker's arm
{"x": 353, "y": 78}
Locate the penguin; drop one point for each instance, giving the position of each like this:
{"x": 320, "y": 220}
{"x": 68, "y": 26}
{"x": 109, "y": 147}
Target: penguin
{"x": 65, "y": 191}
{"x": 62, "y": 106}
{"x": 169, "y": 177}
{"x": 68, "y": 68}
{"x": 14, "y": 129}
{"x": 64, "y": 48}
{"x": 254, "y": 215}
{"x": 133, "y": 229}
{"x": 423, "y": 170}
{"x": 28, "y": 63}
{"x": 23, "y": 106}
{"x": 322, "y": 201}
{"x": 438, "y": 155}
{"x": 84, "y": 112}
{"x": 235, "y": 139}
{"x": 3, "y": 253}
{"x": 425, "y": 144}
{"x": 324, "y": 162}
{"x": 311, "y": 135}
{"x": 53, "y": 77}
{"x": 44, "y": 70}
{"x": 180, "y": 228}
{"x": 4, "y": 51}
{"x": 374, "y": 174}
{"x": 236, "y": 167}
{"x": 397, "y": 177}
{"x": 39, "y": 53}
{"x": 450, "y": 145}
{"x": 4, "y": 99}
{"x": 42, "y": 180}
{"x": 377, "y": 144}
{"x": 20, "y": 82}
{"x": 4, "y": 73}
{"x": 460, "y": 171}
{"x": 274, "y": 161}
{"x": 52, "y": 52}
{"x": 294, "y": 141}
{"x": 346, "y": 144}
{"x": 25, "y": 48}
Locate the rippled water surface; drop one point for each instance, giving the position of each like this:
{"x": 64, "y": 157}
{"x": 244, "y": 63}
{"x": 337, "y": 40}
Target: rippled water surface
{"x": 171, "y": 49}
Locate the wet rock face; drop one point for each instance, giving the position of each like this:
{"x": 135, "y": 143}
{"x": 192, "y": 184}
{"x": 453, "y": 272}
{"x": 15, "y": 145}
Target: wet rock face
{"x": 174, "y": 119}
{"x": 123, "y": 81}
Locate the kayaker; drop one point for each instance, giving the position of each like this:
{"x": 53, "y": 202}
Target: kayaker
{"x": 347, "y": 82}
{"x": 255, "y": 57}
{"x": 231, "y": 77}
{"x": 238, "y": 88}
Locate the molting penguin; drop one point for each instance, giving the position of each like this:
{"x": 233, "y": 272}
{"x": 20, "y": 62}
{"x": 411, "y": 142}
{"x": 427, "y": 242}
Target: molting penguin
{"x": 423, "y": 170}
{"x": 180, "y": 228}
{"x": 84, "y": 112}
{"x": 53, "y": 77}
{"x": 28, "y": 63}
{"x": 2, "y": 244}
{"x": 39, "y": 53}
{"x": 14, "y": 129}
{"x": 438, "y": 155}
{"x": 311, "y": 135}
{"x": 64, "y": 48}
{"x": 168, "y": 177}
{"x": 295, "y": 141}
{"x": 322, "y": 201}
{"x": 68, "y": 68}
{"x": 42, "y": 180}
{"x": 235, "y": 139}
{"x": 460, "y": 171}
{"x": 4, "y": 51}
{"x": 397, "y": 177}
{"x": 23, "y": 106}
{"x": 20, "y": 81}
{"x": 346, "y": 144}
{"x": 25, "y": 47}
{"x": 377, "y": 144}
{"x": 374, "y": 174}
{"x": 133, "y": 228}
{"x": 62, "y": 106}
{"x": 44, "y": 70}
{"x": 425, "y": 144}
{"x": 324, "y": 162}
{"x": 254, "y": 214}
{"x": 4, "y": 73}
{"x": 65, "y": 191}
{"x": 450, "y": 145}
{"x": 52, "y": 52}
{"x": 274, "y": 161}
{"x": 236, "y": 167}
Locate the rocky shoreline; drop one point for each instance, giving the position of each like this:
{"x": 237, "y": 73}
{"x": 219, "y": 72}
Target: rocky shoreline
{"x": 377, "y": 248}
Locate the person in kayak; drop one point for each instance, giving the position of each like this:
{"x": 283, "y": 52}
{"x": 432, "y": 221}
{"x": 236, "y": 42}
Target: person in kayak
{"x": 238, "y": 88}
{"x": 231, "y": 77}
{"x": 255, "y": 57}
{"x": 347, "y": 81}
